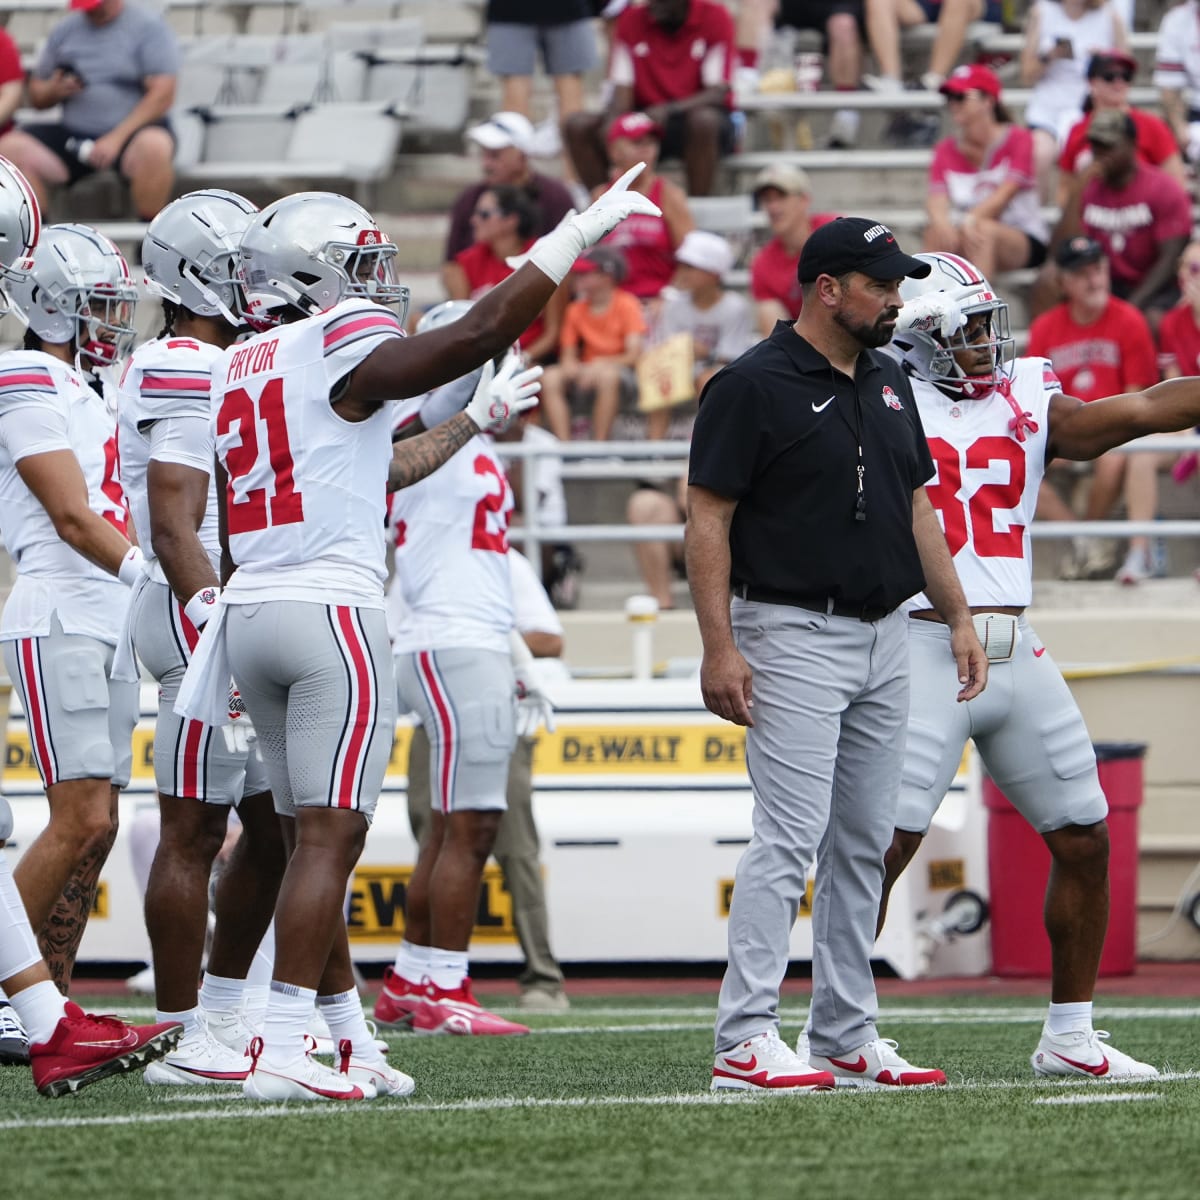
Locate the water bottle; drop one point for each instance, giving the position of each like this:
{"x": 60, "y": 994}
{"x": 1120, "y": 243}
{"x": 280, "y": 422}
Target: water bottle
{"x": 81, "y": 148}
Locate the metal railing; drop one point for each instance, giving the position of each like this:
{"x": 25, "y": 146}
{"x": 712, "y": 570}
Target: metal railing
{"x": 667, "y": 460}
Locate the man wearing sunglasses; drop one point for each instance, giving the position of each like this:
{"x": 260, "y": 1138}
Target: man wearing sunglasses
{"x": 1110, "y": 76}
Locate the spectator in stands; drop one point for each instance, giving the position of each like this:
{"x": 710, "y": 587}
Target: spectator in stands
{"x": 504, "y": 222}
{"x": 784, "y": 194}
{"x": 504, "y": 141}
{"x": 659, "y": 562}
{"x": 1062, "y": 42}
{"x": 1177, "y": 75}
{"x": 885, "y": 19}
{"x": 111, "y": 67}
{"x": 983, "y": 201}
{"x": 841, "y": 23}
{"x": 672, "y": 60}
{"x": 12, "y": 80}
{"x": 1139, "y": 214}
{"x": 518, "y": 30}
{"x": 1109, "y": 76}
{"x": 1099, "y": 345}
{"x": 647, "y": 243}
{"x": 601, "y": 339}
{"x": 719, "y": 322}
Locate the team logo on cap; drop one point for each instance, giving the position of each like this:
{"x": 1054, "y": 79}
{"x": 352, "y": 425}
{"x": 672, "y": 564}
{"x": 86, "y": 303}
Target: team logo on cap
{"x": 890, "y": 398}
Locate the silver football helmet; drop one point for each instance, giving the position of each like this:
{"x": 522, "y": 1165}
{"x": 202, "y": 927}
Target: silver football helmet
{"x": 20, "y": 225}
{"x": 190, "y": 252}
{"x": 78, "y": 289}
{"x": 312, "y": 250}
{"x": 931, "y": 357}
{"x": 445, "y": 313}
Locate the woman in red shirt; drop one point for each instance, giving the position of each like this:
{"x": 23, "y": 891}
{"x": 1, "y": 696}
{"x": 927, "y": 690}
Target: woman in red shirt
{"x": 503, "y": 222}
{"x": 648, "y": 243}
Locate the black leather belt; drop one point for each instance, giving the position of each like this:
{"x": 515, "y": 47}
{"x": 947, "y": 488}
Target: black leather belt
{"x": 818, "y": 604}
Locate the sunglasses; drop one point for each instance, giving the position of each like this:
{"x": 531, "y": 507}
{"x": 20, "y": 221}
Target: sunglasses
{"x": 484, "y": 213}
{"x": 1114, "y": 76}
{"x": 956, "y": 97}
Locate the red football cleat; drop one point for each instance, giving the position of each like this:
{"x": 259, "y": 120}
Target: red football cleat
{"x": 86, "y": 1048}
{"x": 456, "y": 1011}
{"x": 399, "y": 1000}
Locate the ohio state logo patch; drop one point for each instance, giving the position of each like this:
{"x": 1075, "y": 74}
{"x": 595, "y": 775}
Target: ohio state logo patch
{"x": 891, "y": 399}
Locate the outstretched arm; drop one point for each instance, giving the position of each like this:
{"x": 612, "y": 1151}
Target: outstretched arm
{"x": 1082, "y": 431}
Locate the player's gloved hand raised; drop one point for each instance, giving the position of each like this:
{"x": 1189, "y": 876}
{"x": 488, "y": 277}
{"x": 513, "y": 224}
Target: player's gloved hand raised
{"x": 939, "y": 314}
{"x": 534, "y": 707}
{"x": 555, "y": 254}
{"x": 504, "y": 394}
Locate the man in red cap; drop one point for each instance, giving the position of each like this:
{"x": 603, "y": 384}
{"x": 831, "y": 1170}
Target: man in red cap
{"x": 672, "y": 60}
{"x": 111, "y": 68}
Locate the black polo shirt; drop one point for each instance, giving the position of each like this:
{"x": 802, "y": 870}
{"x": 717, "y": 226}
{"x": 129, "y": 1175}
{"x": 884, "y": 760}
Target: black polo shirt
{"x": 779, "y": 431}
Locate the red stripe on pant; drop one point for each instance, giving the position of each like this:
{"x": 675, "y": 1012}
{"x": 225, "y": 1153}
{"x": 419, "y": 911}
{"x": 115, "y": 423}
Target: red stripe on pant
{"x": 445, "y": 719}
{"x": 344, "y": 786}
{"x": 35, "y": 710}
{"x": 193, "y": 738}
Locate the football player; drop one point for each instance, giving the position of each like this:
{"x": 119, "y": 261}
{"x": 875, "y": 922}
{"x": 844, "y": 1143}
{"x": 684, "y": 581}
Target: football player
{"x": 993, "y": 423}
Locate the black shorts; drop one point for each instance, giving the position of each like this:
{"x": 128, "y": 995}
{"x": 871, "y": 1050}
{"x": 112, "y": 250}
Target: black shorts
{"x": 815, "y": 14}
{"x": 672, "y": 139}
{"x": 55, "y": 138}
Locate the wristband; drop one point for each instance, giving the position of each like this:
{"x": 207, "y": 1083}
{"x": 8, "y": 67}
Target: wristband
{"x": 202, "y": 606}
{"x": 132, "y": 567}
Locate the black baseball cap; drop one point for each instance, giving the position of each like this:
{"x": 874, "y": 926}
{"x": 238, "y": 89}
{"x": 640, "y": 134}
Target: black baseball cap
{"x": 1078, "y": 252}
{"x": 857, "y": 244}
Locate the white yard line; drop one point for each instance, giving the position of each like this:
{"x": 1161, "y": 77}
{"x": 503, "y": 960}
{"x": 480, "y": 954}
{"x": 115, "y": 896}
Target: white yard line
{"x": 1101, "y": 1098}
{"x": 679, "y": 1100}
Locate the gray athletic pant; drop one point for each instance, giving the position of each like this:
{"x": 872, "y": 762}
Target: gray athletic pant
{"x": 824, "y": 756}
{"x": 516, "y": 850}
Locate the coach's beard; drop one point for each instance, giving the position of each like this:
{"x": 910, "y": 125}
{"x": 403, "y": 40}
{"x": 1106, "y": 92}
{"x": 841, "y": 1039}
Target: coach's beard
{"x": 872, "y": 336}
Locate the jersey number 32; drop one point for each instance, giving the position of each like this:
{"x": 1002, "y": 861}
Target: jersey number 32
{"x": 944, "y": 495}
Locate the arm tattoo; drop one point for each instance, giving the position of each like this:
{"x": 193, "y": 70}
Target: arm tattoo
{"x": 414, "y": 459}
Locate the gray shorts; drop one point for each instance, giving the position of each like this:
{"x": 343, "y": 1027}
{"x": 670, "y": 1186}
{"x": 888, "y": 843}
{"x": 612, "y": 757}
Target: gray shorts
{"x": 466, "y": 699}
{"x": 194, "y": 761}
{"x": 568, "y": 49}
{"x": 80, "y": 721}
{"x": 317, "y": 682}
{"x": 1026, "y": 726}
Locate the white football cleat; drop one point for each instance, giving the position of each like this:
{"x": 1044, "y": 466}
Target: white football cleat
{"x": 302, "y": 1079}
{"x": 318, "y": 1030}
{"x": 1080, "y": 1054}
{"x": 764, "y": 1062}
{"x": 231, "y": 1029}
{"x": 386, "y": 1080}
{"x": 199, "y": 1058}
{"x": 876, "y": 1064}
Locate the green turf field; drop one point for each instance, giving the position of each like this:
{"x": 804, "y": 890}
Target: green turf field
{"x": 611, "y": 1100}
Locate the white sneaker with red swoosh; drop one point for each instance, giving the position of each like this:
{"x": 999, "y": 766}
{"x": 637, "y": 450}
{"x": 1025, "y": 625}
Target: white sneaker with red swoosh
{"x": 1080, "y": 1053}
{"x": 876, "y": 1064}
{"x": 302, "y": 1079}
{"x": 764, "y": 1062}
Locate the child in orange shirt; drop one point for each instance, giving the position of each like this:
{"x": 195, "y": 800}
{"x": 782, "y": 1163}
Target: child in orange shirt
{"x": 601, "y": 338}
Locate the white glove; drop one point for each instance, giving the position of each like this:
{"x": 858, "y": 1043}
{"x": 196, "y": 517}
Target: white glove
{"x": 939, "y": 314}
{"x": 502, "y": 395}
{"x": 534, "y": 707}
{"x": 555, "y": 254}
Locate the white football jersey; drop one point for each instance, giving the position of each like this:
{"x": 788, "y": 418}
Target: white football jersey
{"x": 40, "y": 392}
{"x": 167, "y": 380}
{"x": 305, "y": 502}
{"x": 452, "y": 581}
{"x": 986, "y": 487}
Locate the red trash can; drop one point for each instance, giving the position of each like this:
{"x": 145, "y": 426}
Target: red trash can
{"x": 1019, "y": 866}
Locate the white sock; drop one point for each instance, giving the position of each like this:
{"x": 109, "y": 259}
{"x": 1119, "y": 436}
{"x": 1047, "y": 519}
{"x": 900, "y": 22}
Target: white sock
{"x": 1070, "y": 1018}
{"x": 413, "y": 962}
{"x": 18, "y": 947}
{"x": 263, "y": 966}
{"x": 447, "y": 968}
{"x": 343, "y": 1014}
{"x": 288, "y": 1009}
{"x": 40, "y": 1008}
{"x": 189, "y": 1019}
{"x": 221, "y": 995}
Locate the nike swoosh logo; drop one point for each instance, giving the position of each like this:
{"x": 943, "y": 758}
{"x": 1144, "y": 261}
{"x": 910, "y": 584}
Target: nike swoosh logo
{"x": 1039, "y": 652}
{"x": 858, "y": 1066}
{"x": 823, "y": 407}
{"x": 748, "y": 1065}
{"x": 1100, "y": 1068}
{"x": 126, "y": 1040}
